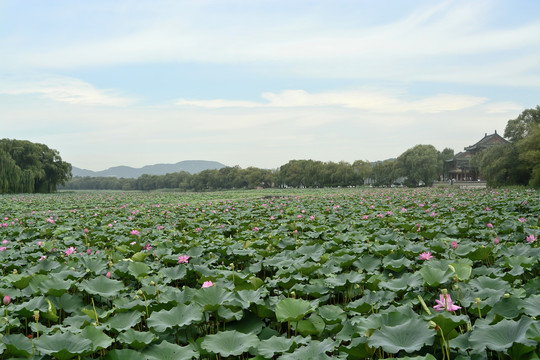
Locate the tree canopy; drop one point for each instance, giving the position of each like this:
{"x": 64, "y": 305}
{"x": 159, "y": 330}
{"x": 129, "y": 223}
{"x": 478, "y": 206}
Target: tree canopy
{"x": 420, "y": 163}
{"x": 520, "y": 127}
{"x": 27, "y": 167}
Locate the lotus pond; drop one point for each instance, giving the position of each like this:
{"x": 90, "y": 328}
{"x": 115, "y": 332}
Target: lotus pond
{"x": 311, "y": 274}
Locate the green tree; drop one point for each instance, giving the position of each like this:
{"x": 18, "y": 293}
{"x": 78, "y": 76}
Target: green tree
{"x": 529, "y": 154}
{"x": 362, "y": 170}
{"x": 520, "y": 127}
{"x": 384, "y": 173}
{"x": 444, "y": 155}
{"x": 499, "y": 165}
{"x": 31, "y": 167}
{"x": 420, "y": 163}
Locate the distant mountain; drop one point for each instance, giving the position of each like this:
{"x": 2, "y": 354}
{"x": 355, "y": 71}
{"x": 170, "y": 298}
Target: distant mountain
{"x": 190, "y": 166}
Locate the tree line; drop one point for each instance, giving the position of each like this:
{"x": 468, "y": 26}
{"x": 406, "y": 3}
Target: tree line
{"x": 27, "y": 167}
{"x": 421, "y": 163}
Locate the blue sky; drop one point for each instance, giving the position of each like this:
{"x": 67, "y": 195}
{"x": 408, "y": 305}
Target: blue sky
{"x": 258, "y": 83}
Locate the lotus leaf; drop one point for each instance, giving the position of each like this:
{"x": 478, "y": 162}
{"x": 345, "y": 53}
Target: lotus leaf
{"x": 229, "y": 343}
{"x": 102, "y": 286}
{"x": 410, "y": 336}
{"x": 63, "y": 345}
{"x": 178, "y": 317}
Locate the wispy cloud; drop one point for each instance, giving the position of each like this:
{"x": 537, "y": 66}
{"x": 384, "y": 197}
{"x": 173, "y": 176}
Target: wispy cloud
{"x": 423, "y": 40}
{"x": 370, "y": 101}
{"x": 65, "y": 89}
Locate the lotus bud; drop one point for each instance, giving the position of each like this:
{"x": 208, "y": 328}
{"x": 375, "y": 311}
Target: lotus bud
{"x": 108, "y": 275}
{"x": 7, "y": 300}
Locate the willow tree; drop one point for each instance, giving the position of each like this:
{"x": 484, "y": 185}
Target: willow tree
{"x": 30, "y": 167}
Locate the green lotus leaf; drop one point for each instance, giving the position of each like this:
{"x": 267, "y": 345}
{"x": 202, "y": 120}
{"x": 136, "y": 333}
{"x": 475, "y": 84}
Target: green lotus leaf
{"x": 54, "y": 286}
{"x": 315, "y": 350}
{"x": 313, "y": 325}
{"x": 97, "y": 337}
{"x": 292, "y": 309}
{"x": 174, "y": 273}
{"x": 212, "y": 297}
{"x": 177, "y": 317}
{"x": 331, "y": 313}
{"x": 462, "y": 271}
{"x": 95, "y": 266}
{"x": 20, "y": 281}
{"x": 63, "y": 345}
{"x": 501, "y": 336}
{"x": 433, "y": 276}
{"x": 123, "y": 321}
{"x": 102, "y": 286}
{"x": 274, "y": 345}
{"x": 531, "y": 305}
{"x": 138, "y": 269}
{"x": 358, "y": 348}
{"x": 447, "y": 321}
{"x": 167, "y": 351}
{"x": 124, "y": 354}
{"x": 229, "y": 343}
{"x": 250, "y": 323}
{"x": 410, "y": 336}
{"x": 136, "y": 339}
{"x": 407, "y": 280}
{"x": 17, "y": 345}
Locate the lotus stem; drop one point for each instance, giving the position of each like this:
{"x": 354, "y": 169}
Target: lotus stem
{"x": 95, "y": 312}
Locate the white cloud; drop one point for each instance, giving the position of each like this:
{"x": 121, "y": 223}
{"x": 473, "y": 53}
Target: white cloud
{"x": 425, "y": 40}
{"x": 364, "y": 100}
{"x": 65, "y": 89}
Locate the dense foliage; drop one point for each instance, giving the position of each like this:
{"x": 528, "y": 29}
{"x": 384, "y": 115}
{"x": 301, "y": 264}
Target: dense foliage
{"x": 517, "y": 163}
{"x": 296, "y": 173}
{"x": 27, "y": 167}
{"x": 275, "y": 274}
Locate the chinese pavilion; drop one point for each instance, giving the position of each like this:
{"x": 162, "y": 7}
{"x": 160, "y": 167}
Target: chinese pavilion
{"x": 460, "y": 168}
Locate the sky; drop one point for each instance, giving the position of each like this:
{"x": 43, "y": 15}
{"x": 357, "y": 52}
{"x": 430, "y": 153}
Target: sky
{"x": 259, "y": 83}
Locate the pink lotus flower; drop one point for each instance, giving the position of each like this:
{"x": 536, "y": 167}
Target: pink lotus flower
{"x": 365, "y": 217}
{"x": 39, "y": 243}
{"x": 70, "y": 251}
{"x": 7, "y": 300}
{"x": 496, "y": 241}
{"x": 454, "y": 244}
{"x": 3, "y": 248}
{"x": 43, "y": 257}
{"x": 108, "y": 275}
{"x": 134, "y": 232}
{"x": 531, "y": 238}
{"x": 86, "y": 231}
{"x": 490, "y": 225}
{"x": 5, "y": 242}
{"x": 445, "y": 303}
{"x": 255, "y": 229}
{"x": 207, "y": 284}
{"x": 426, "y": 256}
{"x": 522, "y": 220}
{"x": 183, "y": 259}
{"x": 88, "y": 251}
